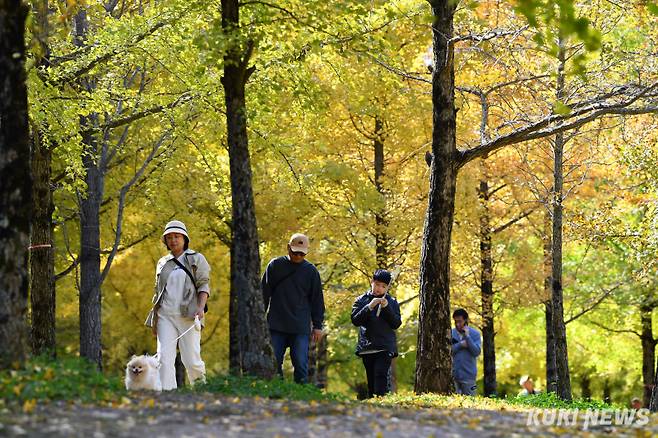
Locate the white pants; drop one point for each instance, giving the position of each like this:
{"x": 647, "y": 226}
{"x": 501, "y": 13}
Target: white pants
{"x": 169, "y": 328}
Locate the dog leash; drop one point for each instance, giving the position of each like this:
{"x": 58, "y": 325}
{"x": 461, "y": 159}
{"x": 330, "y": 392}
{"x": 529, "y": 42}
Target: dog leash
{"x": 196, "y": 323}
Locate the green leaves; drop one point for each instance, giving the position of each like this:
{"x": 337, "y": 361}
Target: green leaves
{"x": 652, "y": 7}
{"x": 562, "y": 16}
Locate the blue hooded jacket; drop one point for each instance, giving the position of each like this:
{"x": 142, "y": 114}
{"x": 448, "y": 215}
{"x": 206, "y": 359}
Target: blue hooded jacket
{"x": 464, "y": 358}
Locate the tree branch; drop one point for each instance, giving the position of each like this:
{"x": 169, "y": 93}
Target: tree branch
{"x": 75, "y": 74}
{"x": 487, "y": 35}
{"x": 633, "y": 332}
{"x": 556, "y": 123}
{"x": 513, "y": 221}
{"x": 122, "y": 199}
{"x": 594, "y": 304}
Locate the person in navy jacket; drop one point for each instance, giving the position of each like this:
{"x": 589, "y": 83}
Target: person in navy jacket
{"x": 377, "y": 315}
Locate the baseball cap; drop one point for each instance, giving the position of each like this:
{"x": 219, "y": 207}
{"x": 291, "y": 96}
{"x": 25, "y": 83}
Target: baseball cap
{"x": 382, "y": 275}
{"x": 299, "y": 243}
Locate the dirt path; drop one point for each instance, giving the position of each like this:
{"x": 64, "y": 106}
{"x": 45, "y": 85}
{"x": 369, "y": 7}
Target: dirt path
{"x": 209, "y": 415}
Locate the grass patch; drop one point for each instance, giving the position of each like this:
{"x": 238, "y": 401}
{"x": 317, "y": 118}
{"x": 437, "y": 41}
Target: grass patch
{"x": 454, "y": 401}
{"x": 67, "y": 378}
{"x": 551, "y": 401}
{"x": 275, "y": 389}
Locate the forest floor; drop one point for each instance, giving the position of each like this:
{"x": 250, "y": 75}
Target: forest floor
{"x": 189, "y": 414}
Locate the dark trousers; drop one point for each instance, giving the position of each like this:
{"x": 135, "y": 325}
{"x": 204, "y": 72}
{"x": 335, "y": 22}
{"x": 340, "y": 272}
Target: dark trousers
{"x": 377, "y": 366}
{"x": 298, "y": 344}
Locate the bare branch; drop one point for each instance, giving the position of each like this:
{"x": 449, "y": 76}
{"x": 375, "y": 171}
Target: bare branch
{"x": 66, "y": 271}
{"x": 487, "y": 35}
{"x": 122, "y": 199}
{"x": 513, "y": 221}
{"x": 75, "y": 74}
{"x": 594, "y": 304}
{"x": 116, "y": 123}
{"x": 633, "y": 332}
{"x": 556, "y": 123}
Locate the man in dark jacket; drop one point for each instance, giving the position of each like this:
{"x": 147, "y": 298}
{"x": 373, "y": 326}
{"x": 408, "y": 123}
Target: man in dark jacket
{"x": 292, "y": 290}
{"x": 377, "y": 315}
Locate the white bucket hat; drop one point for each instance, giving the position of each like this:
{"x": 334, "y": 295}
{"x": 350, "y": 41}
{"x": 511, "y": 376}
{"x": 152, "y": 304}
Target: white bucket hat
{"x": 175, "y": 227}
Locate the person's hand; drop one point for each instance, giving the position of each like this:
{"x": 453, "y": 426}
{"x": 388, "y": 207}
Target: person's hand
{"x": 199, "y": 312}
{"x": 383, "y": 301}
{"x": 374, "y": 302}
{"x": 316, "y": 335}
{"x": 463, "y": 344}
{"x": 466, "y": 330}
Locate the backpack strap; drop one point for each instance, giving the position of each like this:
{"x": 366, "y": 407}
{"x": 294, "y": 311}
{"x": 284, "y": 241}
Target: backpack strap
{"x": 189, "y": 274}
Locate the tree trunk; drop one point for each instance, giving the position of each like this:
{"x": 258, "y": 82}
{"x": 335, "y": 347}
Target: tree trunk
{"x": 585, "y": 387}
{"x": 312, "y": 362}
{"x": 90, "y": 202}
{"x": 551, "y": 367}
{"x": 648, "y": 354}
{"x": 318, "y": 363}
{"x": 433, "y": 360}
{"x": 256, "y": 354}
{"x": 381, "y": 222}
{"x": 323, "y": 362}
{"x": 234, "y": 343}
{"x": 15, "y": 185}
{"x": 42, "y": 257}
{"x": 607, "y": 390}
{"x": 486, "y": 289}
{"x": 559, "y": 327}
{"x": 653, "y": 405}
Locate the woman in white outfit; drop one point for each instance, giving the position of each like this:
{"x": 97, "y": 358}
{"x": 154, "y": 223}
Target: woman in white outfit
{"x": 181, "y": 291}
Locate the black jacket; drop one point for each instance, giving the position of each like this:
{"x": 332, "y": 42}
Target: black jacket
{"x": 376, "y": 333}
{"x": 293, "y": 293}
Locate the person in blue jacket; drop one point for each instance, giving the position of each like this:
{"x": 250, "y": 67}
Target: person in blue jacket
{"x": 466, "y": 346}
{"x": 377, "y": 315}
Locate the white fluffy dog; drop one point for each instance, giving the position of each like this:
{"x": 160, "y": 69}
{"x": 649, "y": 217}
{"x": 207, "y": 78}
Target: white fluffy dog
{"x": 142, "y": 372}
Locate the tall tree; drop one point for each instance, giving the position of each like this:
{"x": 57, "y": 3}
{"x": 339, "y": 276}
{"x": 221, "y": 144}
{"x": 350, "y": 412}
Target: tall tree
{"x": 15, "y": 184}
{"x": 648, "y": 351}
{"x": 42, "y": 256}
{"x": 249, "y": 331}
{"x": 433, "y": 360}
{"x": 557, "y": 296}
{"x": 90, "y": 202}
{"x": 551, "y": 366}
{"x": 101, "y": 149}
